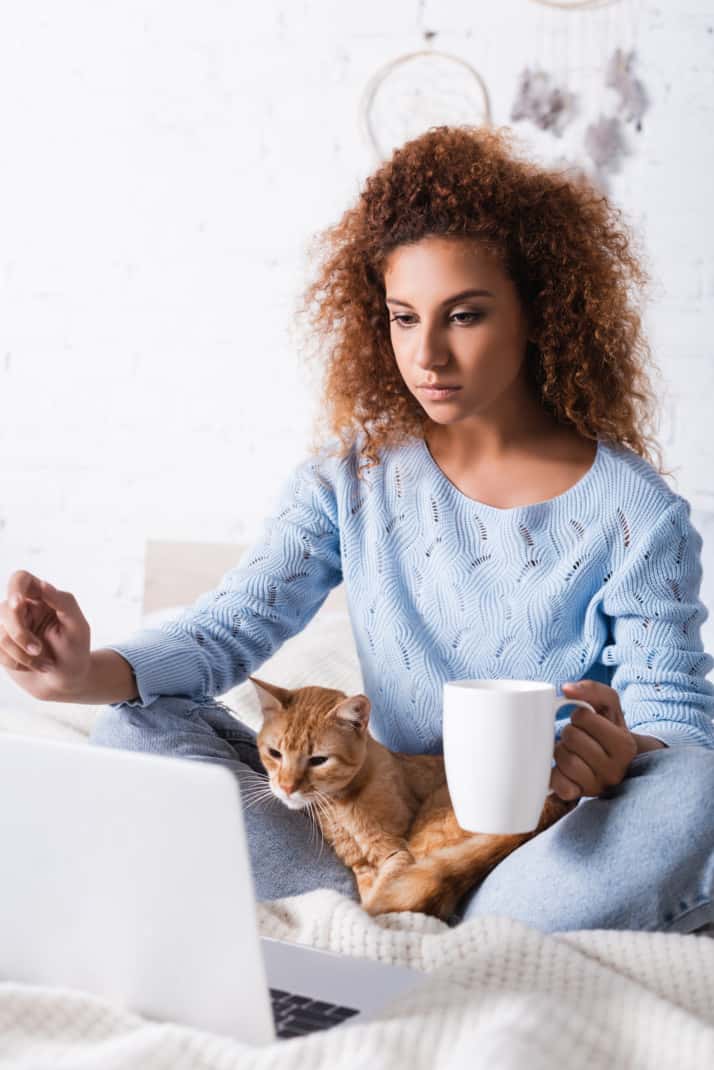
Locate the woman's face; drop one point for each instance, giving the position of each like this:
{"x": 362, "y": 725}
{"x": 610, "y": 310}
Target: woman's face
{"x": 455, "y": 319}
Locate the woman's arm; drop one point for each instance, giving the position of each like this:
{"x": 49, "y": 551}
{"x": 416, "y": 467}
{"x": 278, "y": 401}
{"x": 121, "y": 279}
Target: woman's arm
{"x": 271, "y": 595}
{"x": 655, "y": 616}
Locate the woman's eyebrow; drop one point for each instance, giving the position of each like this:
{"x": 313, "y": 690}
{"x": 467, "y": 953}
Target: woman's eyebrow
{"x": 448, "y": 301}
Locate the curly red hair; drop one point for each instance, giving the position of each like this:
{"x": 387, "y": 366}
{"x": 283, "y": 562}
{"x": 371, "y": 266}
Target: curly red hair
{"x": 563, "y": 244}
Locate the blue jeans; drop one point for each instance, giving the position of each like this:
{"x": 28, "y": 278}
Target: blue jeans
{"x": 638, "y": 856}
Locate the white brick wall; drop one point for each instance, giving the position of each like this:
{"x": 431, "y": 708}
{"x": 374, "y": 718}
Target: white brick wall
{"x": 163, "y": 168}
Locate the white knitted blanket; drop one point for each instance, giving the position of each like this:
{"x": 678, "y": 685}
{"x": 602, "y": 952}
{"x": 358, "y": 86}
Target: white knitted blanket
{"x": 498, "y": 995}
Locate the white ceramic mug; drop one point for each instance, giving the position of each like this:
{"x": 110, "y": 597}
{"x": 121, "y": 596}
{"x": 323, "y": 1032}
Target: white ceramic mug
{"x": 499, "y": 737}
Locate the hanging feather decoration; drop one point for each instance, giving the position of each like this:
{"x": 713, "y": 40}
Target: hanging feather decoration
{"x": 543, "y": 103}
{"x": 605, "y": 145}
{"x": 619, "y": 76}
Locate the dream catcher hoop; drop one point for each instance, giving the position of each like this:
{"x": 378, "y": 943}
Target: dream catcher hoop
{"x": 419, "y": 90}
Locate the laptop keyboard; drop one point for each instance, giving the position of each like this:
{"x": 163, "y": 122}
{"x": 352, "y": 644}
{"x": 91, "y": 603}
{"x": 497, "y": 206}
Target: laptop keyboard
{"x": 296, "y": 1015}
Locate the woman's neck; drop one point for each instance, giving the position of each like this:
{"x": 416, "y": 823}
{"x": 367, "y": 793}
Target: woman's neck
{"x": 495, "y": 437}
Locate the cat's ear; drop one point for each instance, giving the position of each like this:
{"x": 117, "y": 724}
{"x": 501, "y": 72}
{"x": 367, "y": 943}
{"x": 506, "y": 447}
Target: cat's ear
{"x": 272, "y": 699}
{"x": 354, "y": 712}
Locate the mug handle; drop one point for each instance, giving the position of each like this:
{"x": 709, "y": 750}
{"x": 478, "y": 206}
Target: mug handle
{"x": 571, "y": 702}
{"x": 574, "y": 702}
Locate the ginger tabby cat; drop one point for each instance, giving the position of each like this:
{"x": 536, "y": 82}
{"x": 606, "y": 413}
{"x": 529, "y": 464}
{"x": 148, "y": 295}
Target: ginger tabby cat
{"x": 387, "y": 815}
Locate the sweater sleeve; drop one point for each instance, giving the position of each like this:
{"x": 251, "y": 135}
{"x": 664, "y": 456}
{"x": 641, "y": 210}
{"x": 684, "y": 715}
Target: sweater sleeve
{"x": 274, "y": 591}
{"x": 656, "y": 649}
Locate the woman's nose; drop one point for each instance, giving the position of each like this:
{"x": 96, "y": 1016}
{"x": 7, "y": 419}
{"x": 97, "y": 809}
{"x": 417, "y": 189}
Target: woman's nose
{"x": 431, "y": 347}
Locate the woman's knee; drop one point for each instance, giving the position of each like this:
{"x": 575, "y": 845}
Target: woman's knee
{"x": 156, "y": 727}
{"x": 688, "y": 772}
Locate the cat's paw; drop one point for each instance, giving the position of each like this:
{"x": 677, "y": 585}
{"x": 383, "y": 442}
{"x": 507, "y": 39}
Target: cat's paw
{"x": 365, "y": 876}
{"x": 391, "y": 891}
{"x": 372, "y": 906}
{"x": 378, "y": 901}
{"x": 380, "y": 897}
{"x": 396, "y": 861}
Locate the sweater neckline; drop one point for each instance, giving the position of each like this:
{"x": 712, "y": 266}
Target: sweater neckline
{"x": 572, "y": 492}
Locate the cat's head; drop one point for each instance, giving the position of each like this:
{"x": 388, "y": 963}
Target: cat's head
{"x": 312, "y": 740}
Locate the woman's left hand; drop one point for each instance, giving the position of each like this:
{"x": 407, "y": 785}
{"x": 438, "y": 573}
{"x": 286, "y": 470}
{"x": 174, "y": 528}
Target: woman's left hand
{"x": 595, "y": 749}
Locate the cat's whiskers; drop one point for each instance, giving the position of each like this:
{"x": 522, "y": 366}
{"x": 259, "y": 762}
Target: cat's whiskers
{"x": 324, "y": 808}
{"x": 326, "y": 803}
{"x": 252, "y": 789}
{"x": 266, "y": 796}
{"x": 251, "y": 777}
{"x": 256, "y": 789}
{"x": 314, "y": 824}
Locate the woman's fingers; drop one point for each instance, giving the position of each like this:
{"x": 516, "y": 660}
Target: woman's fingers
{"x": 21, "y": 585}
{"x": 14, "y": 656}
{"x": 17, "y": 639}
{"x": 604, "y": 698}
{"x": 13, "y": 666}
{"x": 563, "y": 787}
{"x": 577, "y": 740}
{"x": 16, "y": 614}
{"x": 7, "y": 664}
{"x": 33, "y": 606}
{"x": 62, "y": 602}
{"x": 60, "y": 608}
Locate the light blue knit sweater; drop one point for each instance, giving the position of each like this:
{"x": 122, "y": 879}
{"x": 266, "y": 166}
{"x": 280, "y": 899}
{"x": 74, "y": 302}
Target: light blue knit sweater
{"x": 601, "y": 581}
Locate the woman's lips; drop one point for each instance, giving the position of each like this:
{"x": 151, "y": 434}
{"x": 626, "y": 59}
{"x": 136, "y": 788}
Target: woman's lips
{"x": 438, "y": 394}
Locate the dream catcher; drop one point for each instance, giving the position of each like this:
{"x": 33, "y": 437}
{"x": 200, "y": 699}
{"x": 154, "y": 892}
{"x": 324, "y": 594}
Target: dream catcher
{"x": 419, "y": 90}
{"x": 552, "y": 94}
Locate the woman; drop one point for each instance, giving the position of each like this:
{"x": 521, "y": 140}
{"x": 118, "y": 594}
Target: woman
{"x": 489, "y": 498}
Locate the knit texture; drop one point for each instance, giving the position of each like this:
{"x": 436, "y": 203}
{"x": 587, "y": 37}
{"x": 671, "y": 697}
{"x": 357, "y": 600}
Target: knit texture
{"x": 600, "y": 582}
{"x": 495, "y": 995}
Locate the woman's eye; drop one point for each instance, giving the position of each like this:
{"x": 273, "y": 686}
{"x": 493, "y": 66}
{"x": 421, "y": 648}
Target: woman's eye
{"x": 273, "y": 752}
{"x": 463, "y": 318}
{"x": 318, "y": 760}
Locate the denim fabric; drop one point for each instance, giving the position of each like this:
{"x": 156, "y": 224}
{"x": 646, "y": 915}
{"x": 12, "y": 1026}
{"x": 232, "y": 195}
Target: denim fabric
{"x": 638, "y": 856}
{"x": 288, "y": 854}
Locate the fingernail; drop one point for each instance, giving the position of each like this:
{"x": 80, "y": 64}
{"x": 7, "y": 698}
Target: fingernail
{"x": 574, "y": 685}
{"x": 15, "y": 601}
{"x": 33, "y": 648}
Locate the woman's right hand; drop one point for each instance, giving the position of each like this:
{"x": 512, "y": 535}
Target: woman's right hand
{"x": 35, "y": 611}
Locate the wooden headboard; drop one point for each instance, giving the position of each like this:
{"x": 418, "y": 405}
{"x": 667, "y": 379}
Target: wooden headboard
{"x": 176, "y": 573}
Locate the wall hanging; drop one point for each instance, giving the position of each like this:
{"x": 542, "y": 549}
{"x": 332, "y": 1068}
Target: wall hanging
{"x": 553, "y": 89}
{"x": 418, "y": 90}
{"x": 547, "y": 105}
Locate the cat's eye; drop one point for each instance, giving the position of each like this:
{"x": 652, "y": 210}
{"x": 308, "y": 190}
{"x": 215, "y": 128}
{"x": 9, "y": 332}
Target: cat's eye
{"x": 318, "y": 760}
{"x": 273, "y": 752}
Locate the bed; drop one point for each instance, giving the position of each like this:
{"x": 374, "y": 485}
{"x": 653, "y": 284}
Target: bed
{"x": 497, "y": 994}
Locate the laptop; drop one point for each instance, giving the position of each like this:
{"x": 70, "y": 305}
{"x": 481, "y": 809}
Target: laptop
{"x": 127, "y": 875}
